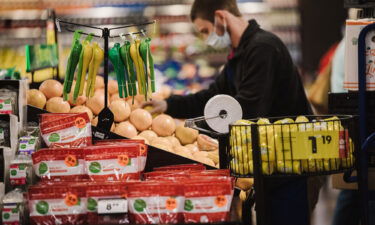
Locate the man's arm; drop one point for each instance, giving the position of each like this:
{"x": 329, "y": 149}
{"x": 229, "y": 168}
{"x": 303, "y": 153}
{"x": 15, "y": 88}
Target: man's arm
{"x": 191, "y": 106}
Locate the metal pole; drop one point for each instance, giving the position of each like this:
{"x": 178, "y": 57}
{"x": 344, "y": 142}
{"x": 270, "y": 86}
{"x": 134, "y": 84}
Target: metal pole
{"x": 106, "y": 37}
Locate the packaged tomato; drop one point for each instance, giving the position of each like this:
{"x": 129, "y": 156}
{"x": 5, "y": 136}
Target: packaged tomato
{"x": 208, "y": 200}
{"x": 181, "y": 167}
{"x": 107, "y": 204}
{"x": 140, "y": 143}
{"x": 156, "y": 203}
{"x": 59, "y": 164}
{"x": 66, "y": 130}
{"x": 50, "y": 205}
{"x": 113, "y": 163}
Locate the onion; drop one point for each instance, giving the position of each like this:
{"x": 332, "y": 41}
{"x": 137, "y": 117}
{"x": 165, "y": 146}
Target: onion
{"x": 183, "y": 151}
{"x": 57, "y": 105}
{"x": 205, "y": 143}
{"x": 141, "y": 119}
{"x": 114, "y": 97}
{"x": 126, "y": 129}
{"x": 94, "y": 122}
{"x": 112, "y": 87}
{"x": 148, "y": 134}
{"x": 164, "y": 125}
{"x": 140, "y": 98}
{"x": 193, "y": 148}
{"x": 82, "y": 109}
{"x": 133, "y": 105}
{"x": 141, "y": 138}
{"x": 162, "y": 143}
{"x": 174, "y": 141}
{"x": 80, "y": 99}
{"x": 36, "y": 98}
{"x": 121, "y": 110}
{"x": 99, "y": 83}
{"x": 51, "y": 88}
{"x": 96, "y": 103}
{"x": 203, "y": 158}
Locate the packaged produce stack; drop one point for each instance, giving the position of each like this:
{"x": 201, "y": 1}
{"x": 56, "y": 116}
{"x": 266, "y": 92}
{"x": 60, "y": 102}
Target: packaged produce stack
{"x": 77, "y": 181}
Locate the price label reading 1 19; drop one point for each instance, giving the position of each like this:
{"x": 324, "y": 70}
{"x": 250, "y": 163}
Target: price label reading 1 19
{"x": 326, "y": 140}
{"x": 316, "y": 145}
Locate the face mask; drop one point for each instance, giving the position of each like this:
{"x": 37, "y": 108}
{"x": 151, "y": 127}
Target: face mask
{"x": 219, "y": 42}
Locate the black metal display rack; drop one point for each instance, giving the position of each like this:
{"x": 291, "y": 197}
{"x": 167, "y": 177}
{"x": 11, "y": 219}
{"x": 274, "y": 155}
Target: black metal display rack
{"x": 268, "y": 149}
{"x": 105, "y": 117}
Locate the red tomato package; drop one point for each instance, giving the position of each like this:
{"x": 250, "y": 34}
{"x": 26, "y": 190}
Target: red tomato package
{"x": 156, "y": 203}
{"x": 181, "y": 167}
{"x": 59, "y": 164}
{"x": 113, "y": 163}
{"x": 50, "y": 205}
{"x": 139, "y": 143}
{"x": 107, "y": 204}
{"x": 66, "y": 130}
{"x": 208, "y": 200}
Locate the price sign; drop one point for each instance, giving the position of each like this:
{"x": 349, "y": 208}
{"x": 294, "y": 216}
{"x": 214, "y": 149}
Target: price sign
{"x": 316, "y": 145}
{"x": 112, "y": 206}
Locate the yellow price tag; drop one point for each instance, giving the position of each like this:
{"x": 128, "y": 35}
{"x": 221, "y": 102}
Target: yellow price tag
{"x": 316, "y": 145}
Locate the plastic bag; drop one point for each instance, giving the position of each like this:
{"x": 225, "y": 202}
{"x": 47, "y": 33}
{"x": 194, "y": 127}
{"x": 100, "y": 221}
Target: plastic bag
{"x": 8, "y": 102}
{"x": 21, "y": 171}
{"x": 156, "y": 203}
{"x": 59, "y": 164}
{"x": 139, "y": 143}
{"x": 53, "y": 204}
{"x": 107, "y": 204}
{"x": 208, "y": 200}
{"x": 113, "y": 163}
{"x": 13, "y": 210}
{"x": 66, "y": 130}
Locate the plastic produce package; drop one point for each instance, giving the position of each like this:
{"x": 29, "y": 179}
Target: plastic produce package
{"x": 8, "y": 102}
{"x": 113, "y": 163}
{"x": 208, "y": 200}
{"x": 156, "y": 202}
{"x": 13, "y": 99}
{"x": 66, "y": 130}
{"x": 29, "y": 142}
{"x": 52, "y": 204}
{"x": 13, "y": 210}
{"x": 59, "y": 164}
{"x": 140, "y": 144}
{"x": 107, "y": 204}
{"x": 21, "y": 171}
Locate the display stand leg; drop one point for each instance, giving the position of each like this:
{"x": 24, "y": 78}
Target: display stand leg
{"x": 223, "y": 151}
{"x": 260, "y": 197}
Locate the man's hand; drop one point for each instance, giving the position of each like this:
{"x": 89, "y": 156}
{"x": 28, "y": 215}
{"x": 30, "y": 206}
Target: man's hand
{"x": 157, "y": 106}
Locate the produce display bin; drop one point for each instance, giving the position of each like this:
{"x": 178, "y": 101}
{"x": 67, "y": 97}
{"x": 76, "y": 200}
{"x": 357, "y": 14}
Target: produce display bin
{"x": 320, "y": 145}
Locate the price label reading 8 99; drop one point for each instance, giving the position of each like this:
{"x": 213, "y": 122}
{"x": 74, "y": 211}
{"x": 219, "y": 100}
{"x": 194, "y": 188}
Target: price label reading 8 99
{"x": 111, "y": 206}
{"x": 316, "y": 145}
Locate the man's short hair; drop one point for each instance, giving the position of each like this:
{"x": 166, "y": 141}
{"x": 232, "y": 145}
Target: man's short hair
{"x": 205, "y": 9}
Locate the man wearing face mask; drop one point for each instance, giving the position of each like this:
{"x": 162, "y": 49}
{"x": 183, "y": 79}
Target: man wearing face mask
{"x": 261, "y": 75}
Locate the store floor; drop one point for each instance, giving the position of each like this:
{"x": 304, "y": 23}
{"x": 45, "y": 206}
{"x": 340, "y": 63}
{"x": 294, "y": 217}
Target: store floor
{"x": 323, "y": 213}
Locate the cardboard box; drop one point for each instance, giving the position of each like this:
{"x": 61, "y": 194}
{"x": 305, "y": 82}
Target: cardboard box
{"x": 339, "y": 183}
